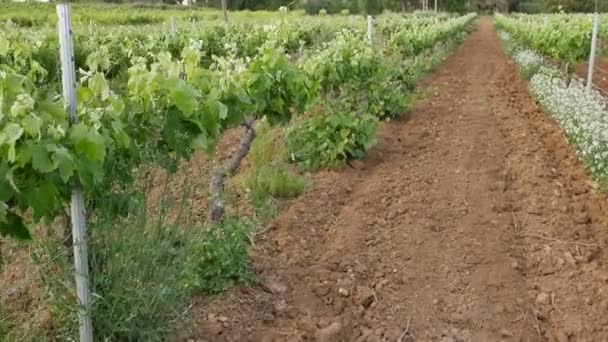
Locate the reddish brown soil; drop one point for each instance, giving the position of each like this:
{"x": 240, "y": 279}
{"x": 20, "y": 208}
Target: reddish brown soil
{"x": 470, "y": 221}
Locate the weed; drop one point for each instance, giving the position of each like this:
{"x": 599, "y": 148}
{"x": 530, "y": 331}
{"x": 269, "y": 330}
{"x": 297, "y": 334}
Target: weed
{"x": 270, "y": 177}
{"x": 330, "y": 139}
{"x": 220, "y": 258}
{"x": 144, "y": 269}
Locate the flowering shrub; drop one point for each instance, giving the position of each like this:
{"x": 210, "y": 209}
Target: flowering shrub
{"x": 529, "y": 62}
{"x": 582, "y": 115}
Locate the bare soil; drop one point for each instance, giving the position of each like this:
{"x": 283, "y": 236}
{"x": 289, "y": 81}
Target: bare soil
{"x": 471, "y": 220}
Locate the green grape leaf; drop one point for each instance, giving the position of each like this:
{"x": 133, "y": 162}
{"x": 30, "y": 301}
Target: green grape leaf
{"x": 223, "y": 114}
{"x": 9, "y": 136}
{"x": 183, "y": 97}
{"x": 42, "y": 197}
{"x": 89, "y": 173}
{"x": 88, "y": 142}
{"x": 14, "y": 83}
{"x": 99, "y": 86}
{"x": 14, "y": 227}
{"x": 3, "y": 211}
{"x": 37, "y": 154}
{"x": 7, "y": 183}
{"x": 119, "y": 134}
{"x": 4, "y": 46}
{"x": 41, "y": 159}
{"x": 63, "y": 161}
{"x": 32, "y": 125}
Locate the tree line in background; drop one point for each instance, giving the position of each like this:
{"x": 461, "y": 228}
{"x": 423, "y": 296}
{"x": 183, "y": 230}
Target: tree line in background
{"x": 377, "y": 6}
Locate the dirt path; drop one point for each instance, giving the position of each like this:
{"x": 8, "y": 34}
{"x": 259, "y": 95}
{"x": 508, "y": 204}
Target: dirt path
{"x": 449, "y": 226}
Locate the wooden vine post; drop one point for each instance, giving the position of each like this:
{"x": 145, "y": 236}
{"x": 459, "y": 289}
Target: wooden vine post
{"x": 77, "y": 208}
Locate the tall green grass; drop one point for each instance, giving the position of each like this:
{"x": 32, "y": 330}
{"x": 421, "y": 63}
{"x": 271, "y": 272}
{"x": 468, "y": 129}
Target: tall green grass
{"x": 144, "y": 269}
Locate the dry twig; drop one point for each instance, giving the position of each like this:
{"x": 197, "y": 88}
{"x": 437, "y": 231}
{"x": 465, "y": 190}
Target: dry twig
{"x": 561, "y": 241}
{"x": 406, "y": 332}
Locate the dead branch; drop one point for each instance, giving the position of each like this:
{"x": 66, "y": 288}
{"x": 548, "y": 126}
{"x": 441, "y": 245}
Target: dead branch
{"x": 561, "y": 241}
{"x": 219, "y": 174}
{"x": 406, "y": 332}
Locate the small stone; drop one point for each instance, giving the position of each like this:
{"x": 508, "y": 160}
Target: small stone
{"x": 504, "y": 332}
{"x": 329, "y": 334}
{"x": 515, "y": 265}
{"x": 275, "y": 287}
{"x": 267, "y": 317}
{"x": 365, "y": 296}
{"x": 343, "y": 292}
{"x": 212, "y": 328}
{"x": 306, "y": 325}
{"x": 570, "y": 258}
{"x": 357, "y": 164}
{"x": 222, "y": 319}
{"x": 435, "y": 301}
{"x": 280, "y": 306}
{"x": 561, "y": 336}
{"x": 339, "y": 305}
{"x": 320, "y": 290}
{"x": 543, "y": 298}
{"x": 582, "y": 218}
{"x": 292, "y": 312}
{"x": 263, "y": 336}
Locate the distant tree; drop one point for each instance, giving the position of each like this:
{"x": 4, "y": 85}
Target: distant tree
{"x": 373, "y": 7}
{"x": 569, "y": 5}
{"x": 457, "y": 6}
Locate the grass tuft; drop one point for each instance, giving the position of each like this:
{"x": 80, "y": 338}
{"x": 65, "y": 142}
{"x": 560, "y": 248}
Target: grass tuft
{"x": 270, "y": 177}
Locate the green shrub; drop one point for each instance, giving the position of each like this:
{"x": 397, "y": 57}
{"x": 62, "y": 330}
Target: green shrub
{"x": 144, "y": 270}
{"x": 266, "y": 146}
{"x": 220, "y": 258}
{"x": 273, "y": 182}
{"x": 373, "y": 7}
{"x": 135, "y": 280}
{"x": 270, "y": 178}
{"x": 330, "y": 139}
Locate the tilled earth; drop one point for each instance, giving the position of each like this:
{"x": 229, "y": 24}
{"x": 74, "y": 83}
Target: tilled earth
{"x": 471, "y": 220}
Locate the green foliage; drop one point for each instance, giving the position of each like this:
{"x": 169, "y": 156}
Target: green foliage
{"x": 565, "y": 38}
{"x": 373, "y": 7}
{"x": 569, "y": 6}
{"x": 456, "y": 6}
{"x": 135, "y": 269}
{"x": 220, "y": 258}
{"x": 270, "y": 183}
{"x": 266, "y": 148}
{"x": 144, "y": 270}
{"x": 330, "y": 139}
{"x": 314, "y": 7}
{"x": 270, "y": 178}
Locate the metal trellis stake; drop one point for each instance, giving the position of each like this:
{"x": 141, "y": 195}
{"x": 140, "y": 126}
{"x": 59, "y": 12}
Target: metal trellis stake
{"x": 77, "y": 208}
{"x": 225, "y": 10}
{"x": 596, "y": 27}
{"x": 370, "y": 28}
{"x": 173, "y": 26}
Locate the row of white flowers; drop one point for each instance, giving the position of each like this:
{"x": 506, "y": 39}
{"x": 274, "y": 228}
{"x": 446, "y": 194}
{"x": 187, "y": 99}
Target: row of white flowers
{"x": 583, "y": 116}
